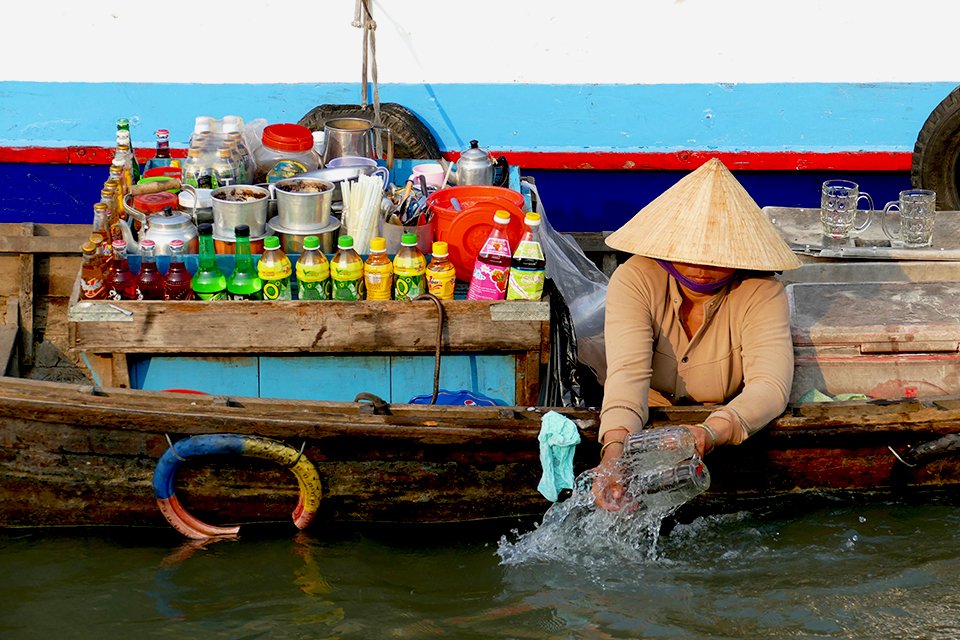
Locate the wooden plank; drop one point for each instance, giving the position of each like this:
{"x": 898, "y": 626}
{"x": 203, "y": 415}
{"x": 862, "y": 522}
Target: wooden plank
{"x": 26, "y": 299}
{"x": 8, "y": 335}
{"x": 306, "y": 326}
{"x": 528, "y": 378}
{"x": 43, "y": 244}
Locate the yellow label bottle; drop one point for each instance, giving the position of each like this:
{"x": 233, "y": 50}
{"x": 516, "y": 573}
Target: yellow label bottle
{"x": 346, "y": 271}
{"x": 409, "y": 269}
{"x": 441, "y": 274}
{"x": 378, "y": 271}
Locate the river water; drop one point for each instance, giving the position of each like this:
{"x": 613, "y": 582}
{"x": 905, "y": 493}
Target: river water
{"x": 852, "y": 569}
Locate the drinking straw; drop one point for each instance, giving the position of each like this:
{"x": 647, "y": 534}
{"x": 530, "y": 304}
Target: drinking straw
{"x": 361, "y": 209}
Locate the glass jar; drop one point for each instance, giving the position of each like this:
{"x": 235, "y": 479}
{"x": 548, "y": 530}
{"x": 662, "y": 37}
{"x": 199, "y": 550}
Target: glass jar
{"x": 286, "y": 150}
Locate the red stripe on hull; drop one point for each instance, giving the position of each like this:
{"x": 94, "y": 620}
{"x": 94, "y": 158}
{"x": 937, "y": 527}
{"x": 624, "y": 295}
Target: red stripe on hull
{"x": 581, "y": 161}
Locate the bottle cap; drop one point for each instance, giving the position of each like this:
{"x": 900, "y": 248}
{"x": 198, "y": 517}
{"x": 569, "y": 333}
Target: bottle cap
{"x": 408, "y": 239}
{"x": 532, "y": 219}
{"x": 95, "y": 238}
{"x": 311, "y": 242}
{"x": 119, "y": 244}
{"x": 205, "y": 228}
{"x": 287, "y": 137}
{"x": 345, "y": 242}
{"x": 147, "y": 243}
{"x": 440, "y": 248}
{"x": 501, "y": 217}
{"x": 271, "y": 242}
{"x": 241, "y": 231}
{"x": 378, "y": 244}
{"x": 89, "y": 247}
{"x": 176, "y": 244}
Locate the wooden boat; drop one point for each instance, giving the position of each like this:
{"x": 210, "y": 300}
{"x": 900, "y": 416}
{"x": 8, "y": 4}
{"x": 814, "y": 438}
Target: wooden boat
{"x": 80, "y": 454}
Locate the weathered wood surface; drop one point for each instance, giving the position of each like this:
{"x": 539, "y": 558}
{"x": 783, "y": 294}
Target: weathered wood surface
{"x": 81, "y": 456}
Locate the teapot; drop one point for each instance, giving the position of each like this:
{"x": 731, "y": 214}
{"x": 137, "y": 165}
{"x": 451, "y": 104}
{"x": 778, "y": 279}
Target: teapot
{"x": 475, "y": 166}
{"x": 162, "y": 227}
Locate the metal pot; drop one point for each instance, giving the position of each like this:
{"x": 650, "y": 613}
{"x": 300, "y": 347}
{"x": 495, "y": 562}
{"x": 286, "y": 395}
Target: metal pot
{"x": 168, "y": 225}
{"x": 356, "y": 137}
{"x": 229, "y": 210}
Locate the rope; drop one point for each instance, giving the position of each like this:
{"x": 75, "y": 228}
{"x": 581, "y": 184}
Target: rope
{"x": 436, "y": 357}
{"x": 363, "y": 19}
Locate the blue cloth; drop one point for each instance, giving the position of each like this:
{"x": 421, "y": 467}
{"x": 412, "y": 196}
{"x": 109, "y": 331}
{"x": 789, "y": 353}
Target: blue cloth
{"x": 558, "y": 440}
{"x": 461, "y": 397}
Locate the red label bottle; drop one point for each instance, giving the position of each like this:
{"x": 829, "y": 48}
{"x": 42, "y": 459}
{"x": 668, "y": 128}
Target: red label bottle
{"x": 177, "y": 284}
{"x": 121, "y": 283}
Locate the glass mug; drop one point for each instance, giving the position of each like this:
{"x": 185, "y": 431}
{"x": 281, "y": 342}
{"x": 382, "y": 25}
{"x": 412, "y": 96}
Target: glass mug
{"x": 838, "y": 208}
{"x": 917, "y": 210}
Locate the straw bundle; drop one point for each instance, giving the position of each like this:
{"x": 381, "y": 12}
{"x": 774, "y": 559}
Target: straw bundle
{"x": 706, "y": 218}
{"x": 361, "y": 209}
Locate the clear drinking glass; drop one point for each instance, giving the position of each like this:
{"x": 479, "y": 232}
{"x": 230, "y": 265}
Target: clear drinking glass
{"x": 917, "y": 211}
{"x": 838, "y": 208}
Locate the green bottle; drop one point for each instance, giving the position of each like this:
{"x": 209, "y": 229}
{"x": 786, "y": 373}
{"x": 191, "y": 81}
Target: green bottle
{"x": 313, "y": 271}
{"x": 208, "y": 282}
{"x": 274, "y": 269}
{"x": 244, "y": 283}
{"x": 123, "y": 137}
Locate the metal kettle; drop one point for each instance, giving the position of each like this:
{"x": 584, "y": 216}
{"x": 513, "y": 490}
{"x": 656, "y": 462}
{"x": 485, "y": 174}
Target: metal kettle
{"x": 475, "y": 166}
{"x": 162, "y": 227}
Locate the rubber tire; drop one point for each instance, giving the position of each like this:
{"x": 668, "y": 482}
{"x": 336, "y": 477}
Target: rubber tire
{"x": 411, "y": 138}
{"x": 935, "y": 164}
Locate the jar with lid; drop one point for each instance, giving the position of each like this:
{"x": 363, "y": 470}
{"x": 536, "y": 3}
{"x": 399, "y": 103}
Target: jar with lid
{"x": 286, "y": 150}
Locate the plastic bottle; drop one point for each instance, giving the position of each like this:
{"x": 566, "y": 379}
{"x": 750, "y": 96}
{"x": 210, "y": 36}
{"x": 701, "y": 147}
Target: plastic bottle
{"x": 527, "y": 268}
{"x": 441, "y": 273}
{"x": 491, "y": 270}
{"x": 346, "y": 271}
{"x": 658, "y": 447}
{"x": 161, "y": 157}
{"x": 313, "y": 271}
{"x": 121, "y": 283}
{"x": 149, "y": 279}
{"x": 409, "y": 269}
{"x": 92, "y": 286}
{"x": 275, "y": 270}
{"x": 378, "y": 271}
{"x": 208, "y": 282}
{"x": 669, "y": 487}
{"x": 177, "y": 283}
{"x": 195, "y": 169}
{"x": 224, "y": 171}
{"x": 244, "y": 282}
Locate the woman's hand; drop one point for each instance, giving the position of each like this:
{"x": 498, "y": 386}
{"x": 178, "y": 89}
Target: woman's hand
{"x": 607, "y": 487}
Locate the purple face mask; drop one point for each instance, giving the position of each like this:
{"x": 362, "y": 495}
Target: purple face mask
{"x": 708, "y": 288}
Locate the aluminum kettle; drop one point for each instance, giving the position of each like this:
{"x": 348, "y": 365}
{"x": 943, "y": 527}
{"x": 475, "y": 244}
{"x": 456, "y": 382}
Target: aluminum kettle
{"x": 475, "y": 166}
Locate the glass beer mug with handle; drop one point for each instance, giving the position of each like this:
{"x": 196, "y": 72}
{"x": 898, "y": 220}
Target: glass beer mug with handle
{"x": 917, "y": 211}
{"x": 838, "y": 208}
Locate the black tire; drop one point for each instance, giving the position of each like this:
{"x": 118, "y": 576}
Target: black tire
{"x": 411, "y": 138}
{"x": 935, "y": 163}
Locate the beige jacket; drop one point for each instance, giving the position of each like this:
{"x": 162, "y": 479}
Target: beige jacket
{"x": 741, "y": 356}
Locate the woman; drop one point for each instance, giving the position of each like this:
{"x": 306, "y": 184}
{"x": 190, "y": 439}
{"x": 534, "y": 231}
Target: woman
{"x": 695, "y": 317}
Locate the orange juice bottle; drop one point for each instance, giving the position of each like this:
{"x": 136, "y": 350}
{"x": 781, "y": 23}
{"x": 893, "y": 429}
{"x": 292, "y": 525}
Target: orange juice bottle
{"x": 409, "y": 269}
{"x": 378, "y": 271}
{"x": 441, "y": 274}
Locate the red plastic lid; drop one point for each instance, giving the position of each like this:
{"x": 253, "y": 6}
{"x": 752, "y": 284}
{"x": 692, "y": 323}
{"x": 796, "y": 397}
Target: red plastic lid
{"x": 168, "y": 172}
{"x": 469, "y": 195}
{"x": 470, "y": 229}
{"x": 287, "y": 137}
{"x": 154, "y": 202}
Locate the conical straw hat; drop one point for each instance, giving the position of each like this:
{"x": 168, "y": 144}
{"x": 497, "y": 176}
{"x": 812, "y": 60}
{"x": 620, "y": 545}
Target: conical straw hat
{"x": 706, "y": 218}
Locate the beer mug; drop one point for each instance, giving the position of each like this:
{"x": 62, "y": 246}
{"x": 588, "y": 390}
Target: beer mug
{"x": 917, "y": 211}
{"x": 838, "y": 208}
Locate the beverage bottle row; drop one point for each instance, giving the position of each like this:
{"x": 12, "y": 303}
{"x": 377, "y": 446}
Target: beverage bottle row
{"x": 112, "y": 279}
{"x": 500, "y": 274}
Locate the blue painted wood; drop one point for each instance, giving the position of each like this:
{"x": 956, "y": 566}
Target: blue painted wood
{"x": 336, "y": 378}
{"x": 234, "y": 376}
{"x": 491, "y": 375}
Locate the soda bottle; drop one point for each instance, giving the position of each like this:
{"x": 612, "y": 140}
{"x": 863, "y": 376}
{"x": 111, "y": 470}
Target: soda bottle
{"x": 92, "y": 286}
{"x": 491, "y": 270}
{"x": 104, "y": 253}
{"x": 208, "y": 282}
{"x": 177, "y": 285}
{"x": 346, "y": 271}
{"x": 161, "y": 157}
{"x": 275, "y": 270}
{"x": 121, "y": 283}
{"x": 527, "y": 268}
{"x": 150, "y": 280}
{"x": 244, "y": 283}
{"x": 313, "y": 271}
{"x": 441, "y": 274}
{"x": 378, "y": 271}
{"x": 409, "y": 269}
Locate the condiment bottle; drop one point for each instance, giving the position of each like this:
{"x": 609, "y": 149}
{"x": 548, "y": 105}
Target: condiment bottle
{"x": 121, "y": 283}
{"x": 92, "y": 286}
{"x": 244, "y": 282}
{"x": 208, "y": 282}
{"x": 313, "y": 271}
{"x": 346, "y": 271}
{"x": 150, "y": 280}
{"x": 177, "y": 282}
{"x": 161, "y": 158}
{"x": 275, "y": 270}
{"x": 491, "y": 270}
{"x": 441, "y": 273}
{"x": 378, "y": 271}
{"x": 409, "y": 269}
{"x": 527, "y": 268}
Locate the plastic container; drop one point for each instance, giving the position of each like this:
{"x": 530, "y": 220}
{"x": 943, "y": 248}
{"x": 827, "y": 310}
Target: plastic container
{"x": 313, "y": 271}
{"x": 527, "y": 269}
{"x": 441, "y": 274}
{"x": 346, "y": 272}
{"x": 378, "y": 271}
{"x": 491, "y": 269}
{"x": 409, "y": 269}
{"x": 275, "y": 270}
{"x": 286, "y": 150}
{"x": 447, "y": 204}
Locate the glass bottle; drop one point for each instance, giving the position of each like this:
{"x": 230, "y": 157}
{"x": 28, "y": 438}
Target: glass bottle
{"x": 124, "y": 140}
{"x": 161, "y": 157}
{"x": 409, "y": 269}
{"x": 92, "y": 286}
{"x": 149, "y": 279}
{"x": 346, "y": 271}
{"x": 244, "y": 282}
{"x": 275, "y": 270}
{"x": 441, "y": 273}
{"x": 208, "y": 282}
{"x": 105, "y": 251}
{"x": 177, "y": 284}
{"x": 378, "y": 271}
{"x": 101, "y": 219}
{"x": 527, "y": 267}
{"x": 313, "y": 271}
{"x": 121, "y": 283}
{"x": 119, "y": 212}
{"x": 491, "y": 270}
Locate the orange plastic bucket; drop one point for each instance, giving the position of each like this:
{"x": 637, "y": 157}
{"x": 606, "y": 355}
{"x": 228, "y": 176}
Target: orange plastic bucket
{"x": 440, "y": 203}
